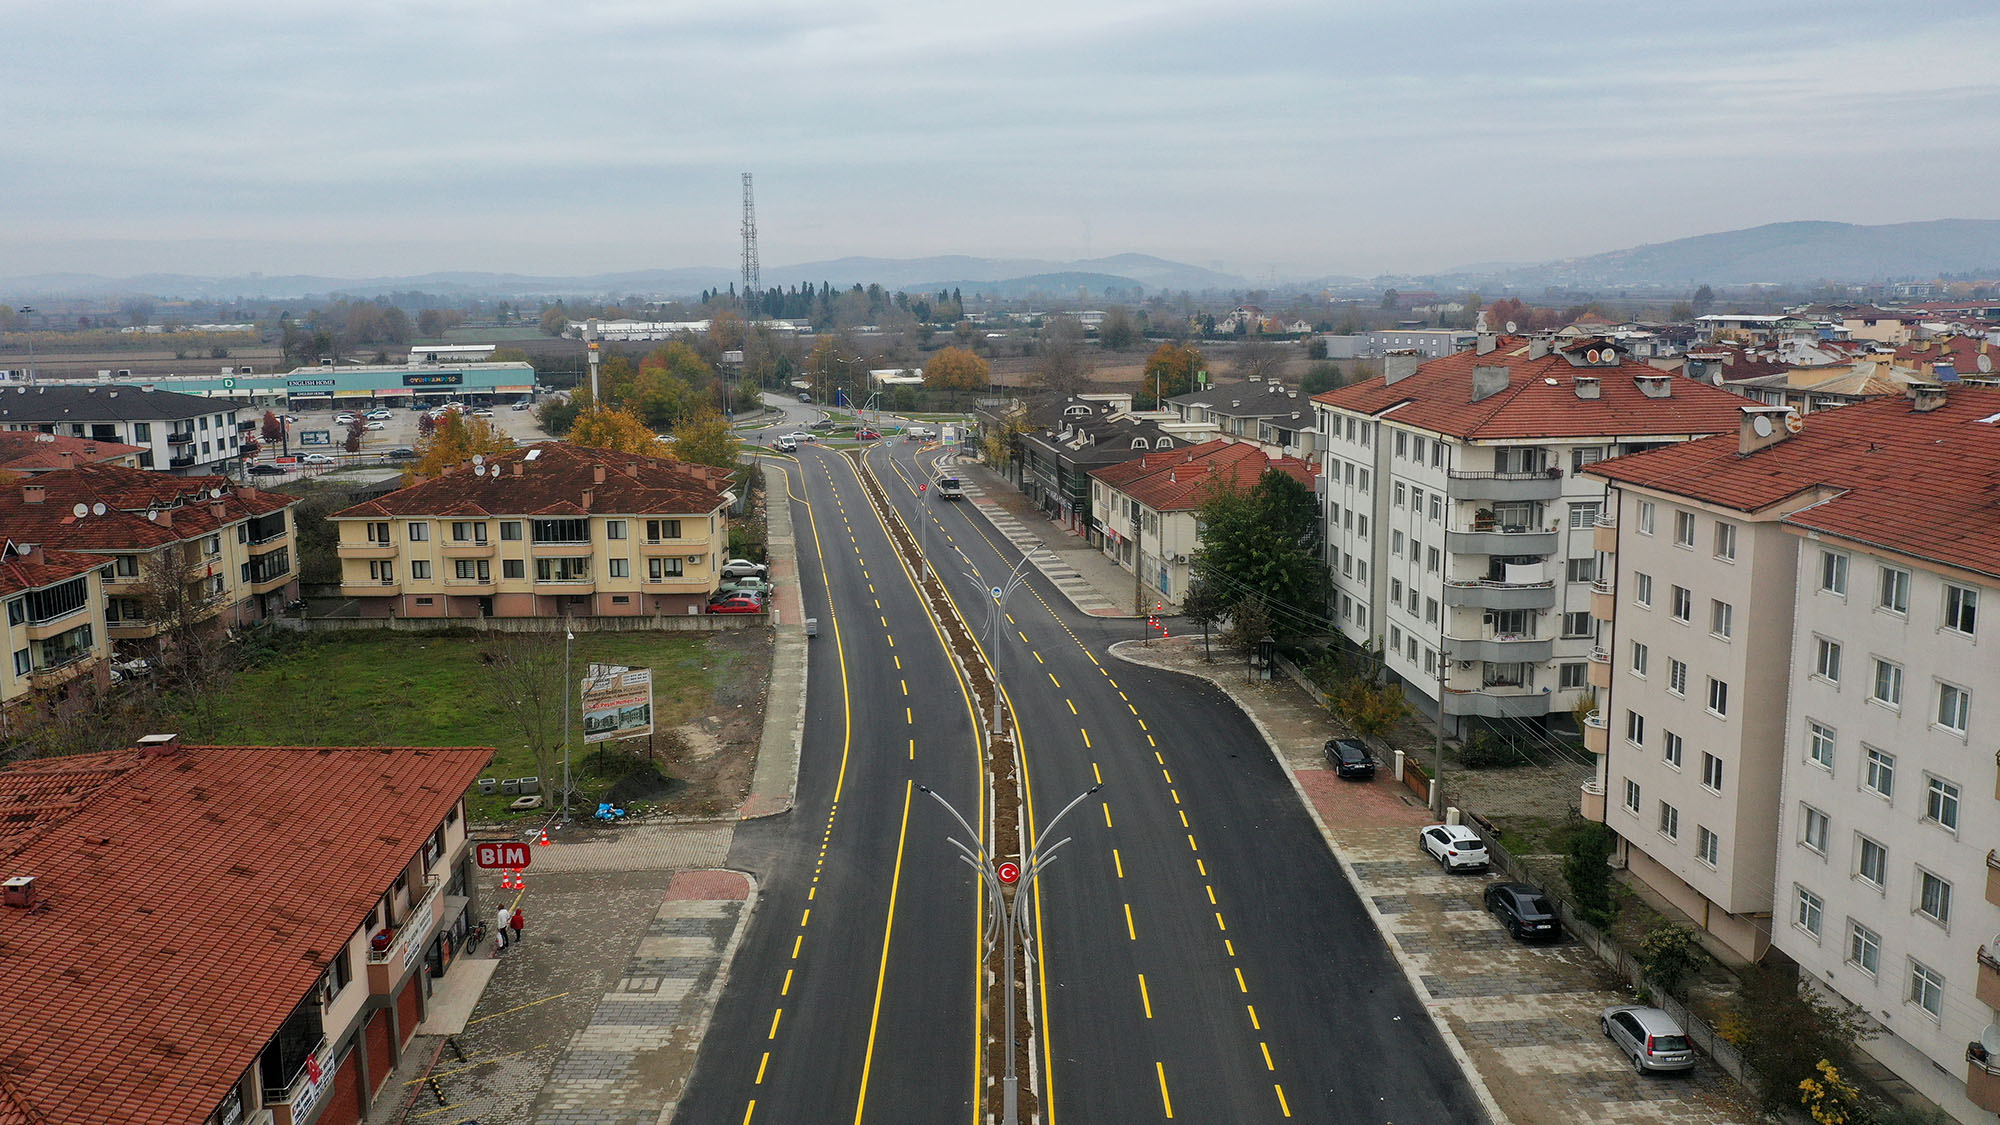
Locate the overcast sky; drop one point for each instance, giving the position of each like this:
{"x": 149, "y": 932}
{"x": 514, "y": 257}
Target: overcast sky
{"x": 357, "y": 138}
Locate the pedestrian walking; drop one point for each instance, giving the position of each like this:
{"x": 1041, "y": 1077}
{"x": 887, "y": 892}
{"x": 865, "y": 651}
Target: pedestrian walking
{"x": 500, "y": 928}
{"x": 515, "y": 923}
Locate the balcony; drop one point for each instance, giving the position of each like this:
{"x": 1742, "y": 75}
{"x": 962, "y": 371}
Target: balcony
{"x": 183, "y": 461}
{"x": 1982, "y": 1078}
{"x": 371, "y": 588}
{"x": 1482, "y": 539}
{"x": 465, "y": 585}
{"x": 180, "y": 439}
{"x": 390, "y": 965}
{"x": 1501, "y": 649}
{"x": 52, "y": 627}
{"x": 371, "y": 549}
{"x": 55, "y": 675}
{"x": 269, "y": 582}
{"x": 467, "y": 548}
{"x": 268, "y": 544}
{"x": 559, "y": 588}
{"x": 1598, "y": 673}
{"x": 1988, "y": 988}
{"x": 1544, "y": 485}
{"x": 668, "y": 547}
{"x": 1603, "y": 599}
{"x": 562, "y": 550}
{"x": 1591, "y": 802}
{"x": 1485, "y": 594}
{"x": 1497, "y": 703}
{"x": 1604, "y": 534}
{"x": 1596, "y": 733}
{"x": 294, "y": 1103}
{"x": 1993, "y": 878}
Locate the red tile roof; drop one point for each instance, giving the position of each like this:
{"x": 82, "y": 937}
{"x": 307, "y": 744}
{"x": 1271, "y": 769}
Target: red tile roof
{"x": 1540, "y": 399}
{"x": 1962, "y": 352}
{"x": 1923, "y": 484}
{"x": 30, "y": 451}
{"x": 33, "y": 570}
{"x": 1180, "y": 480}
{"x": 551, "y": 479}
{"x": 186, "y": 507}
{"x": 186, "y": 903}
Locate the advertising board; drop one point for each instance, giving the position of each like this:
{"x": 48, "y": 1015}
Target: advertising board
{"x": 617, "y": 703}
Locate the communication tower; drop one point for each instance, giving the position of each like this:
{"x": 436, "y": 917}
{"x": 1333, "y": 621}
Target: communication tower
{"x": 751, "y": 282}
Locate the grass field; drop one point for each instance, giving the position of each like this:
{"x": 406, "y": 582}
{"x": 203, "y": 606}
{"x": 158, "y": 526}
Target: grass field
{"x": 388, "y": 689}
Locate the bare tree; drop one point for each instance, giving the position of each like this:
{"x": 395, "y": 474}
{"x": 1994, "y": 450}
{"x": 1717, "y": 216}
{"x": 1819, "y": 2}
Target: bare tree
{"x": 526, "y": 682}
{"x": 1063, "y": 363}
{"x": 1258, "y": 358}
{"x": 181, "y": 593}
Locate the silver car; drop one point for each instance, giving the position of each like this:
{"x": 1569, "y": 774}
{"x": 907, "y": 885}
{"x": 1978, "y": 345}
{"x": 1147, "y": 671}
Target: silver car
{"x": 1649, "y": 1036}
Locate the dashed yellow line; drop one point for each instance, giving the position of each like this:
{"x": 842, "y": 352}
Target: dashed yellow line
{"x": 1147, "y": 1000}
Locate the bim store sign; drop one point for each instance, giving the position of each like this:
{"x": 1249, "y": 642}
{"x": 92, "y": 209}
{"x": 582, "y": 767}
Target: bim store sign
{"x": 434, "y": 379}
{"x": 617, "y": 703}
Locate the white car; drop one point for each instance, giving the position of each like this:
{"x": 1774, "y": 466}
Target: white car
{"x": 343, "y": 419}
{"x": 482, "y": 412}
{"x": 378, "y": 425}
{"x": 1454, "y": 846}
{"x": 134, "y": 667}
{"x": 378, "y": 413}
{"x": 319, "y": 459}
{"x": 743, "y": 568}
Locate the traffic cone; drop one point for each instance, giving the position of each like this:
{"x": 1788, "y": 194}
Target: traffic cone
{"x": 544, "y": 840}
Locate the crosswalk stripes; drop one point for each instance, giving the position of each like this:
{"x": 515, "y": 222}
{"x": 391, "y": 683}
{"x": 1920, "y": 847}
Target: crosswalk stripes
{"x": 1065, "y": 577}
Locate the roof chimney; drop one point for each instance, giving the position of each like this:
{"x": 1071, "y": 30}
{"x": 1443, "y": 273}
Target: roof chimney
{"x": 1399, "y": 365}
{"x": 597, "y": 474}
{"x": 1489, "y": 380}
{"x": 1587, "y": 387}
{"x": 159, "y": 745}
{"x": 1655, "y": 386}
{"x": 632, "y": 469}
{"x": 517, "y": 468}
{"x": 1487, "y": 342}
{"x": 18, "y": 891}
{"x": 587, "y": 497}
{"x": 1763, "y": 426}
{"x": 67, "y": 458}
{"x": 217, "y": 509}
{"x": 34, "y": 493}
{"x": 1538, "y": 347}
{"x": 1927, "y": 396}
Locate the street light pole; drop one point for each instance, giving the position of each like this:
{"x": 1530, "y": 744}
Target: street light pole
{"x": 568, "y": 636}
{"x": 1007, "y": 923}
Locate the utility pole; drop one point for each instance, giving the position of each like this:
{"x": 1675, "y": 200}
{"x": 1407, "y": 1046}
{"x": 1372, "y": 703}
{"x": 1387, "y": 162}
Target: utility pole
{"x": 590, "y": 352}
{"x": 752, "y": 283}
{"x": 568, "y": 636}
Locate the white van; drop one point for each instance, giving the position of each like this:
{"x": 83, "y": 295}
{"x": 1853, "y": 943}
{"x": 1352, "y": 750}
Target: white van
{"x": 950, "y": 488}
{"x": 785, "y": 444}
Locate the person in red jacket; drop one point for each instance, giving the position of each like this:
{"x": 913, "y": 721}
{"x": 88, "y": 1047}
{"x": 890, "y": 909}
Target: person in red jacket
{"x": 515, "y": 923}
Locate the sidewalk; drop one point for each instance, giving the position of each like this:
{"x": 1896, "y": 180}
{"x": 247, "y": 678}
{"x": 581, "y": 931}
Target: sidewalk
{"x": 1091, "y": 581}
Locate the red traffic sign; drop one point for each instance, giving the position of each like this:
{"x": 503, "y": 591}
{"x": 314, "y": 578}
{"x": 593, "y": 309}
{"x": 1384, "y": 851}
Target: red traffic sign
{"x": 503, "y": 855}
{"x": 1009, "y": 872}
{"x": 923, "y": 487}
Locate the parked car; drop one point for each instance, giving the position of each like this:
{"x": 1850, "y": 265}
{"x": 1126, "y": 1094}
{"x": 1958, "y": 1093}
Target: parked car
{"x": 378, "y": 425}
{"x": 378, "y": 413}
{"x": 738, "y": 603}
{"x": 482, "y": 412}
{"x": 869, "y": 435}
{"x": 755, "y": 586}
{"x": 402, "y": 453}
{"x": 319, "y": 459}
{"x": 267, "y": 471}
{"x": 523, "y": 405}
{"x": 802, "y": 435}
{"x": 805, "y": 396}
{"x": 343, "y": 419}
{"x": 1649, "y": 1036}
{"x": 822, "y": 424}
{"x": 743, "y": 568}
{"x": 1524, "y": 910}
{"x": 1349, "y": 757}
{"x": 1454, "y": 846}
{"x": 132, "y": 667}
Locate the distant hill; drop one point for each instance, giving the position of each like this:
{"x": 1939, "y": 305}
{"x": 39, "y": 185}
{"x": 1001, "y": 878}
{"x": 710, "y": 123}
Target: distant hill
{"x": 1775, "y": 252}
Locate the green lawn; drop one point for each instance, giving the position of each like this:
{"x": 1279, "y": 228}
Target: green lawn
{"x": 398, "y": 689}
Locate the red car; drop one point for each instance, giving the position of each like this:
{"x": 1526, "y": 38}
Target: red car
{"x": 737, "y": 603}
{"x": 869, "y": 435}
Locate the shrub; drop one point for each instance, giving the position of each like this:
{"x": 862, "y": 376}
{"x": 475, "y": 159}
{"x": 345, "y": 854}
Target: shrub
{"x": 1829, "y": 1098}
{"x": 1668, "y": 954}
{"x": 1789, "y": 1031}
{"x": 1486, "y": 750}
{"x": 1586, "y": 869}
{"x": 1371, "y": 709}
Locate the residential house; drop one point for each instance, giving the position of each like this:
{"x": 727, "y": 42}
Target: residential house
{"x": 28, "y": 452}
{"x": 1148, "y": 505}
{"x": 1796, "y": 721}
{"x": 1459, "y": 530}
{"x": 203, "y": 935}
{"x": 1083, "y": 432}
{"x": 55, "y": 631}
{"x": 1269, "y": 415}
{"x": 552, "y": 529}
{"x": 185, "y": 434}
{"x": 1430, "y": 343}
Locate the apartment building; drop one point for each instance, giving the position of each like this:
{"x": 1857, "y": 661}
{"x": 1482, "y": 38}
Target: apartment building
{"x": 1065, "y": 441}
{"x": 1149, "y": 503}
{"x": 552, "y": 529}
{"x": 1460, "y": 530}
{"x": 182, "y": 948}
{"x": 1796, "y": 731}
{"x": 1267, "y": 414}
{"x": 55, "y": 631}
{"x": 180, "y": 433}
{"x": 176, "y": 551}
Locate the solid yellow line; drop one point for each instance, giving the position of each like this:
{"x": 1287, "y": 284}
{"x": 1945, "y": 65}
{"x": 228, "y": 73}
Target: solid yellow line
{"x": 882, "y": 973}
{"x": 775, "y": 1016}
{"x": 1166, "y": 1102}
{"x": 1146, "y": 999}
{"x": 1130, "y": 931}
{"x": 516, "y": 1008}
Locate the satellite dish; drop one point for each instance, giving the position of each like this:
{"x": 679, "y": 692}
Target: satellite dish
{"x": 478, "y": 470}
{"x": 153, "y": 515}
{"x": 1794, "y": 422}
{"x": 97, "y": 509}
{"x": 1591, "y": 355}
{"x": 1990, "y": 1039}
{"x": 478, "y": 460}
{"x": 1762, "y": 424}
{"x": 1510, "y": 328}
{"x": 80, "y": 511}
{"x": 1984, "y": 363}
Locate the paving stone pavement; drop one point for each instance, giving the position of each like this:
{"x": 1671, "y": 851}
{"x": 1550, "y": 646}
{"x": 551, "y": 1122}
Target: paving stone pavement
{"x": 646, "y": 846}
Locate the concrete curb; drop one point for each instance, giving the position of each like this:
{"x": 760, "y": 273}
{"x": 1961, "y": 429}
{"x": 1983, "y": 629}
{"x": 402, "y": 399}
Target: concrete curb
{"x": 783, "y": 739}
{"x": 1126, "y": 651}
{"x": 698, "y": 1032}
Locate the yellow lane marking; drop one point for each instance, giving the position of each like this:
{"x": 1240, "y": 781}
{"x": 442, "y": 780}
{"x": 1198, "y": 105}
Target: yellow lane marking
{"x": 913, "y": 749}
{"x": 1121, "y": 695}
{"x": 909, "y": 717}
{"x": 1131, "y": 708}
{"x": 760, "y": 1068}
{"x": 1240, "y": 986}
{"x": 1268, "y": 1064}
{"x": 786, "y": 988}
{"x": 1184, "y": 822}
{"x": 1130, "y": 931}
{"x": 1118, "y": 861}
{"x": 1107, "y": 814}
{"x": 898, "y": 660}
{"x": 812, "y": 893}
{"x": 1023, "y": 636}
{"x": 1086, "y": 746}
{"x": 806, "y": 917}
{"x": 1282, "y": 1103}
{"x": 796, "y": 942}
{"x": 1175, "y": 794}
{"x": 1150, "y": 742}
{"x": 906, "y": 686}
{"x": 890, "y": 639}
{"x": 1165, "y": 774}
{"x": 1093, "y": 660}
{"x": 1210, "y": 887}
{"x": 1166, "y": 1102}
{"x": 1148, "y": 1001}
{"x": 516, "y": 1008}
{"x": 775, "y": 1016}
{"x": 1072, "y": 707}
{"x": 1191, "y": 843}
{"x": 1094, "y": 772}
{"x": 1142, "y": 723}
{"x": 1252, "y": 1009}
{"x": 1202, "y": 868}
{"x": 1038, "y": 659}
{"x": 1230, "y": 946}
{"x": 882, "y": 974}
{"x": 1053, "y": 680}
{"x": 1218, "y": 922}
{"x": 1011, "y": 621}
{"x": 885, "y": 621}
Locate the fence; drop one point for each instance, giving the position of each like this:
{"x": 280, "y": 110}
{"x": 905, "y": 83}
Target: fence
{"x": 662, "y": 623}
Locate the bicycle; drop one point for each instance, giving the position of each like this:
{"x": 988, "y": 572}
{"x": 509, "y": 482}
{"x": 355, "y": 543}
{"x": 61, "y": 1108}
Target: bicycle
{"x": 474, "y": 934}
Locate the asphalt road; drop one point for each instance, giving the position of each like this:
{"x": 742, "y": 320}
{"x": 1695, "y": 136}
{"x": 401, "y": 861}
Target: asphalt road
{"x": 1206, "y": 959}
{"x": 854, "y": 994}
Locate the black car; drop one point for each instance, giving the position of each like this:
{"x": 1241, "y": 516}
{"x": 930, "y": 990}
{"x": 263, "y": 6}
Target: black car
{"x": 402, "y": 453}
{"x": 266, "y": 471}
{"x": 1349, "y": 757}
{"x": 1528, "y": 913}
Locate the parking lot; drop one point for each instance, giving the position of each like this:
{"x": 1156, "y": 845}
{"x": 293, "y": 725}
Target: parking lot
{"x": 310, "y": 455}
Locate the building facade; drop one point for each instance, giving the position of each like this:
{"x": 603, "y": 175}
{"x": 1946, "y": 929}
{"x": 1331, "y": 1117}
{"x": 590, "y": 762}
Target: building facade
{"x": 55, "y": 634}
{"x": 550, "y": 530}
{"x": 1267, "y": 414}
{"x": 179, "y": 433}
{"x": 430, "y": 377}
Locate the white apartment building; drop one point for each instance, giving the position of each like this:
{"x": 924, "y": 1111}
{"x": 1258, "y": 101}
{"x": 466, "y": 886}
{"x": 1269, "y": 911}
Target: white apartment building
{"x": 1853, "y": 764}
{"x": 1457, "y": 521}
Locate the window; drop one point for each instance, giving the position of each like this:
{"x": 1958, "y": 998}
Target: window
{"x": 1927, "y": 989}
{"x": 513, "y": 568}
{"x": 562, "y": 570}
{"x": 1707, "y": 846}
{"x": 1711, "y": 772}
{"x": 1941, "y": 803}
{"x": 1631, "y": 796}
{"x": 1585, "y": 455}
{"x": 1819, "y": 745}
{"x": 1431, "y": 559}
{"x": 1718, "y": 697}
{"x": 1933, "y": 897}
{"x": 1811, "y": 911}
{"x": 1640, "y": 655}
{"x": 1642, "y": 589}
{"x": 420, "y": 569}
{"x": 619, "y": 568}
{"x": 1363, "y": 485}
{"x": 1954, "y": 707}
{"x": 1812, "y": 828}
{"x": 1893, "y": 591}
{"x": 1416, "y": 499}
{"x": 468, "y": 531}
{"x": 1961, "y": 609}
{"x": 1437, "y": 509}
{"x": 1582, "y": 570}
{"x": 1645, "y": 517}
{"x": 24, "y": 661}
{"x": 1683, "y": 529}
{"x": 561, "y": 530}
{"x": 420, "y": 531}
{"x": 383, "y": 571}
{"x": 1864, "y": 948}
{"x": 1677, "y": 676}
{"x": 614, "y": 529}
{"x": 1888, "y": 686}
{"x": 142, "y": 431}
{"x": 1833, "y": 572}
{"x": 1402, "y": 444}
{"x": 1683, "y": 604}
{"x": 510, "y": 529}
{"x": 1879, "y": 771}
{"x": 1635, "y": 728}
{"x": 469, "y": 570}
{"x": 1673, "y": 747}
{"x": 1721, "y": 619}
{"x": 659, "y": 569}
{"x": 1396, "y": 543}
{"x": 1431, "y": 610}
{"x": 1576, "y": 624}
{"x": 1874, "y": 861}
{"x": 1396, "y": 590}
{"x": 1431, "y": 664}
{"x": 1360, "y": 526}
{"x": 1725, "y": 540}
{"x": 1571, "y": 675}
{"x": 1582, "y": 515}
{"x": 1670, "y": 821}
{"x": 1511, "y": 622}
{"x": 1826, "y": 659}
{"x": 1402, "y": 494}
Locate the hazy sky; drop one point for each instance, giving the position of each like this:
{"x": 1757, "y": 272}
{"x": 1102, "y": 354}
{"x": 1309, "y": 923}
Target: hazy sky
{"x": 357, "y": 138}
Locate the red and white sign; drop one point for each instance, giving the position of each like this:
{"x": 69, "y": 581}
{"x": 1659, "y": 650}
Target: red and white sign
{"x": 1009, "y": 872}
{"x": 503, "y": 855}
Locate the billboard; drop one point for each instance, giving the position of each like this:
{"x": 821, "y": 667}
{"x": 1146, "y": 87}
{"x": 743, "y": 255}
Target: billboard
{"x": 617, "y": 703}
